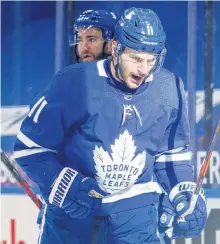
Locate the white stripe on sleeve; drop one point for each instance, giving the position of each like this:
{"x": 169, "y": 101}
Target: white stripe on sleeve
{"x": 27, "y": 152}
{"x": 26, "y": 141}
{"x": 174, "y": 157}
{"x": 44, "y": 103}
{"x": 34, "y": 107}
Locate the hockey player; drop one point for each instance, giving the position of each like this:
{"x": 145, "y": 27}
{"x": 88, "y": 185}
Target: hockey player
{"x": 92, "y": 145}
{"x": 93, "y": 35}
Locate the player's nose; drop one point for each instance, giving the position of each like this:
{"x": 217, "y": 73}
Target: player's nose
{"x": 143, "y": 68}
{"x": 85, "y": 46}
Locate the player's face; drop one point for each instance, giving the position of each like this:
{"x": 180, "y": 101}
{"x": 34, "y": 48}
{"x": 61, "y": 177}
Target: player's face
{"x": 89, "y": 44}
{"x": 135, "y": 66}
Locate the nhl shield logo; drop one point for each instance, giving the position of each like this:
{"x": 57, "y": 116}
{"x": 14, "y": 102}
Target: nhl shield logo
{"x": 122, "y": 168}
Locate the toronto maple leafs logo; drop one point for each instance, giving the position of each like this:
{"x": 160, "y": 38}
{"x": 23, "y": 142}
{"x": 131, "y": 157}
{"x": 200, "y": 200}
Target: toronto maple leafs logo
{"x": 122, "y": 168}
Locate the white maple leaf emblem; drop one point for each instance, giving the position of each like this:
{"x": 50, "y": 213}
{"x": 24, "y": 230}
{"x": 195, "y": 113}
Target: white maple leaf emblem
{"x": 122, "y": 168}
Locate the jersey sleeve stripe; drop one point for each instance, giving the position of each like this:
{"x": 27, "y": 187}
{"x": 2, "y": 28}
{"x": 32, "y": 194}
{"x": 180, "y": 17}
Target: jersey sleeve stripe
{"x": 26, "y": 141}
{"x": 34, "y": 107}
{"x": 176, "y": 150}
{"x": 174, "y": 157}
{"x": 44, "y": 103}
{"x": 27, "y": 152}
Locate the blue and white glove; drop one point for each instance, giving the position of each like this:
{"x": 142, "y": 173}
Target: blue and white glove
{"x": 179, "y": 202}
{"x": 78, "y": 196}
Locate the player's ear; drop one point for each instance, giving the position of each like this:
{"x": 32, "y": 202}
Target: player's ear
{"x": 108, "y": 48}
{"x": 113, "y": 48}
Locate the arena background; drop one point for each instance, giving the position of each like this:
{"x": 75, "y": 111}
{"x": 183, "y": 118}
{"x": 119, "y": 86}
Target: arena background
{"x": 35, "y": 40}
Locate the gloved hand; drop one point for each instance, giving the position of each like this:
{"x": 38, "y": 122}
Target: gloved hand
{"x": 78, "y": 196}
{"x": 179, "y": 201}
{"x": 166, "y": 215}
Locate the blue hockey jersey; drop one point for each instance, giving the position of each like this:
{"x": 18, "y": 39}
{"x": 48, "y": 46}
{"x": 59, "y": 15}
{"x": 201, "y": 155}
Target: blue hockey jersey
{"x": 121, "y": 137}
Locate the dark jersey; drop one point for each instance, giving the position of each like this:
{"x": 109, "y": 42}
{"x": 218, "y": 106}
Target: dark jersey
{"x": 123, "y": 138}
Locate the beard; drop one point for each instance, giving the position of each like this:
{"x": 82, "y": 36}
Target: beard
{"x": 121, "y": 71}
{"x": 90, "y": 56}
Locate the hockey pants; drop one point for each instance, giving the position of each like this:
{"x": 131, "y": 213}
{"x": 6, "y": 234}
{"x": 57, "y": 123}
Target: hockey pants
{"x": 135, "y": 226}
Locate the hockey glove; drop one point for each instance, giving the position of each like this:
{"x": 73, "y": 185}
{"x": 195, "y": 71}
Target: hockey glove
{"x": 193, "y": 223}
{"x": 78, "y": 196}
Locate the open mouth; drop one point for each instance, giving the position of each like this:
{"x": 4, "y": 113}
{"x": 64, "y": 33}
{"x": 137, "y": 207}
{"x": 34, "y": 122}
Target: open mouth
{"x": 137, "y": 79}
{"x": 87, "y": 57}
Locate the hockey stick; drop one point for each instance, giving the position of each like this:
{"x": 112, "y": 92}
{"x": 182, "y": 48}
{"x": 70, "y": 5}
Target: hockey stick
{"x": 202, "y": 172}
{"x": 200, "y": 178}
{"x": 12, "y": 168}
